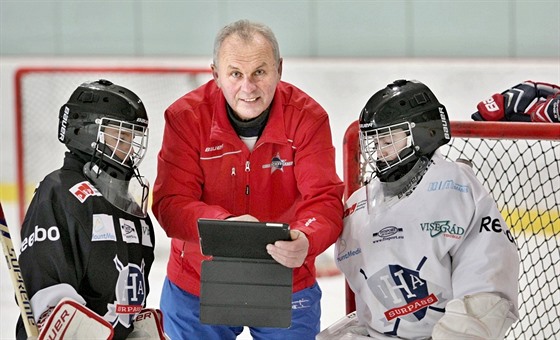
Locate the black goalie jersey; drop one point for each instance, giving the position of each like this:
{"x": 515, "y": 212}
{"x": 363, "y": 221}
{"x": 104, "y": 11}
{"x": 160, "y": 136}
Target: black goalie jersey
{"x": 76, "y": 244}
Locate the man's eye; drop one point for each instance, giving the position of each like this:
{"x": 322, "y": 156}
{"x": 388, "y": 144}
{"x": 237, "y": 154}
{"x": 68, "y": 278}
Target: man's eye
{"x": 259, "y": 72}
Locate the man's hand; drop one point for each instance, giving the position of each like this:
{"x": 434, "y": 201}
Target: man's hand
{"x": 292, "y": 253}
{"x": 247, "y": 218}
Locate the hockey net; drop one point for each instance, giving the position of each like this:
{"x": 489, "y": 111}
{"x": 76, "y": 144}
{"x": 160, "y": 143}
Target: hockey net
{"x": 519, "y": 163}
{"x": 41, "y": 91}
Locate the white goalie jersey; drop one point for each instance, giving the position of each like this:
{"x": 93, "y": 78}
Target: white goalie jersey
{"x": 405, "y": 258}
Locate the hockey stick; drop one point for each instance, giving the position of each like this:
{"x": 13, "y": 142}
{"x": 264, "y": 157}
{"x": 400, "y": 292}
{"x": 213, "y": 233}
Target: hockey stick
{"x": 17, "y": 279}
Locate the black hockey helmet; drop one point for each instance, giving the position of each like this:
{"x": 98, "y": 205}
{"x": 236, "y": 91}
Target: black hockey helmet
{"x": 97, "y": 107}
{"x": 398, "y": 125}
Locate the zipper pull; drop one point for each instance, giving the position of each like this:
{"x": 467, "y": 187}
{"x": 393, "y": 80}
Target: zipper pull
{"x": 233, "y": 171}
{"x": 247, "y": 166}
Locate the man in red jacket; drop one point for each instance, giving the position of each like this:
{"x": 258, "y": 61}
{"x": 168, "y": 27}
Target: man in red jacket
{"x": 246, "y": 146}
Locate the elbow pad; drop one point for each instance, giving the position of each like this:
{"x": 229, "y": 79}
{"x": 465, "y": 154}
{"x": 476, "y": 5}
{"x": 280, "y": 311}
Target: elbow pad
{"x": 478, "y": 316}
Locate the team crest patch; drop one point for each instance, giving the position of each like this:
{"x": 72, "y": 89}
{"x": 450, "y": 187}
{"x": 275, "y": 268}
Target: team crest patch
{"x": 83, "y": 190}
{"x": 404, "y": 293}
{"x": 103, "y": 228}
{"x": 130, "y": 294}
{"x": 277, "y": 163}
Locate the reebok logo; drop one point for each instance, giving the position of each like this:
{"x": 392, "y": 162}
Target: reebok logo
{"x": 40, "y": 235}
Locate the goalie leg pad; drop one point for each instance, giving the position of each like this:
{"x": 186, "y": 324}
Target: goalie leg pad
{"x": 72, "y": 320}
{"x": 478, "y": 316}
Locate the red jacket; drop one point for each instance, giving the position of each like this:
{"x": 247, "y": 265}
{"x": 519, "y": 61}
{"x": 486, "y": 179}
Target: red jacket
{"x": 206, "y": 171}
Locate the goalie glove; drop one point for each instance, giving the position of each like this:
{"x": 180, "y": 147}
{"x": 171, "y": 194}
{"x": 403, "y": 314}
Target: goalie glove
{"x": 481, "y": 316}
{"x": 148, "y": 324}
{"x": 515, "y": 104}
{"x": 546, "y": 110}
{"x": 347, "y": 327}
{"x": 72, "y": 320}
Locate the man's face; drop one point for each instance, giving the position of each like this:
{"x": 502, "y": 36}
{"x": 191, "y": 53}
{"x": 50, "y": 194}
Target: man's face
{"x": 247, "y": 73}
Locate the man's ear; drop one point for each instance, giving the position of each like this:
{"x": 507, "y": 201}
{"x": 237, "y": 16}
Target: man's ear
{"x": 280, "y": 68}
{"x": 215, "y": 74}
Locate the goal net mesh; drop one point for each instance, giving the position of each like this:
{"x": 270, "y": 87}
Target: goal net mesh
{"x": 519, "y": 163}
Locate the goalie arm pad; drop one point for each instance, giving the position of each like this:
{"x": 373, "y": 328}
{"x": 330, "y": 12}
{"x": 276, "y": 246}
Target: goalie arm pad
{"x": 72, "y": 320}
{"x": 479, "y": 316}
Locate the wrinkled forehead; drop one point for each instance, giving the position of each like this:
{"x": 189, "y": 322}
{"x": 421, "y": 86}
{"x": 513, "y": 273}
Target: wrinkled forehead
{"x": 237, "y": 51}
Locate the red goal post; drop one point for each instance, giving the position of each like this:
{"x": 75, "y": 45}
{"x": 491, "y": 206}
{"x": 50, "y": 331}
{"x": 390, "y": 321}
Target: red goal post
{"x": 519, "y": 163}
{"x": 41, "y": 91}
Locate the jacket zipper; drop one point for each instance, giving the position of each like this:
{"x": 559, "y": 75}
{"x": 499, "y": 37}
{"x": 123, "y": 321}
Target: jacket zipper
{"x": 247, "y": 191}
{"x": 247, "y": 170}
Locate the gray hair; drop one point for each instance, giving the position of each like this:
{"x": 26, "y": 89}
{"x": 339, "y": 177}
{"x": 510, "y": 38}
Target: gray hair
{"x": 246, "y": 30}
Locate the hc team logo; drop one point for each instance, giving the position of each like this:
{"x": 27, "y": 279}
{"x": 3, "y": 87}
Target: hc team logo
{"x": 130, "y": 292}
{"x": 403, "y": 293}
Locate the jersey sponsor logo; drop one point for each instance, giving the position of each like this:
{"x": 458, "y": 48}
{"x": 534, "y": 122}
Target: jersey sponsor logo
{"x": 489, "y": 224}
{"x": 146, "y": 240}
{"x": 445, "y": 228}
{"x": 448, "y": 185}
{"x": 348, "y": 254}
{"x": 354, "y": 207}
{"x": 40, "y": 235}
{"x": 387, "y": 234}
{"x": 342, "y": 253}
{"x": 404, "y": 293}
{"x": 103, "y": 228}
{"x": 277, "y": 163}
{"x": 130, "y": 293}
{"x": 83, "y": 190}
{"x": 128, "y": 231}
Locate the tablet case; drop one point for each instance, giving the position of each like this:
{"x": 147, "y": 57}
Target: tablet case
{"x": 243, "y": 285}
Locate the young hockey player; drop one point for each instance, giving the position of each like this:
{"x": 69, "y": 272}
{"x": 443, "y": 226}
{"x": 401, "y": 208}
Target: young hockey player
{"x": 87, "y": 242}
{"x": 424, "y": 247}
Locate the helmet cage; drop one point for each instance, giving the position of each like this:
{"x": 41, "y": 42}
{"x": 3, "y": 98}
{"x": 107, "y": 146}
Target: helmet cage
{"x": 122, "y": 142}
{"x": 386, "y": 147}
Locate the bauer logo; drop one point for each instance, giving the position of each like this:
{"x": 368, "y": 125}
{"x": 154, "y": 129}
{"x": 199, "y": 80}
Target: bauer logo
{"x": 63, "y": 124}
{"x": 444, "y": 122}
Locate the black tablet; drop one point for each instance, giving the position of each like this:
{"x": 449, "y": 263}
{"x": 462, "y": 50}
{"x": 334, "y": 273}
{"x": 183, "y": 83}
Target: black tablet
{"x": 240, "y": 239}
